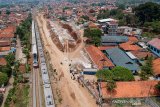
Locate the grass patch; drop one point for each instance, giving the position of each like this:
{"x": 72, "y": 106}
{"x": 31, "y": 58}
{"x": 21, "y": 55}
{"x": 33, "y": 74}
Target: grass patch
{"x": 18, "y": 96}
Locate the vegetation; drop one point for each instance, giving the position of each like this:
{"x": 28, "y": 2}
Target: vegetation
{"x": 105, "y": 75}
{"x": 85, "y": 17}
{"x": 122, "y": 74}
{"x": 94, "y": 35}
{"x": 3, "y": 78}
{"x": 147, "y": 67}
{"x": 147, "y": 12}
{"x": 24, "y": 32}
{"x": 10, "y": 59}
{"x": 111, "y": 85}
{"x": 116, "y": 74}
{"x": 1, "y": 99}
{"x": 157, "y": 86}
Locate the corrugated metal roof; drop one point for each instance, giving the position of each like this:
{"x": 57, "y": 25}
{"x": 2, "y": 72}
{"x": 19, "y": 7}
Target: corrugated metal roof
{"x": 114, "y": 39}
{"x": 120, "y": 58}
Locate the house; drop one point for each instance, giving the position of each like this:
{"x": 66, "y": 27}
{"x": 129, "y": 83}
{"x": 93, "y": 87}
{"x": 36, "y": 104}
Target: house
{"x": 156, "y": 67}
{"x": 110, "y": 28}
{"x": 129, "y": 47}
{"x": 120, "y": 58}
{"x": 129, "y": 31}
{"x": 133, "y": 89}
{"x": 113, "y": 40}
{"x": 97, "y": 58}
{"x": 154, "y": 46}
{"x": 103, "y": 21}
{"x": 141, "y": 54}
{"x": 2, "y": 61}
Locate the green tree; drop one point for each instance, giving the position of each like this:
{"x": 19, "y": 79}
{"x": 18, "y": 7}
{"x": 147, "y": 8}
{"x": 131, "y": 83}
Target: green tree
{"x": 8, "y": 12}
{"x": 104, "y": 75}
{"x": 157, "y": 86}
{"x": 122, "y": 74}
{"x": 6, "y": 69}
{"x": 1, "y": 99}
{"x": 3, "y": 78}
{"x": 10, "y": 59}
{"x": 94, "y": 35}
{"x": 148, "y": 12}
{"x": 111, "y": 85}
{"x": 147, "y": 67}
{"x": 143, "y": 75}
{"x": 85, "y": 17}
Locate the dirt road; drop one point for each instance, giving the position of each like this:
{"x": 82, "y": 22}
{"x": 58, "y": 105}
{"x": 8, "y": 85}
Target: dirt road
{"x": 72, "y": 94}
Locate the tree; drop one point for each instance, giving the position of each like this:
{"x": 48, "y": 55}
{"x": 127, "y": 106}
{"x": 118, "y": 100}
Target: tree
{"x": 8, "y": 12}
{"x": 1, "y": 99}
{"x": 10, "y": 59}
{"x": 143, "y": 75}
{"x": 111, "y": 85}
{"x": 147, "y": 12}
{"x": 94, "y": 35}
{"x": 104, "y": 75}
{"x": 122, "y": 74}
{"x": 3, "y": 78}
{"x": 148, "y": 66}
{"x": 157, "y": 86}
{"x": 6, "y": 69}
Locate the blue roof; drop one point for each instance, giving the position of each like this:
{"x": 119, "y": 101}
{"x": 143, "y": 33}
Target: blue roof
{"x": 119, "y": 58}
{"x": 114, "y": 39}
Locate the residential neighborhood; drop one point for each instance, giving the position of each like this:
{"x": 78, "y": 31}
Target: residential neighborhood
{"x": 76, "y": 53}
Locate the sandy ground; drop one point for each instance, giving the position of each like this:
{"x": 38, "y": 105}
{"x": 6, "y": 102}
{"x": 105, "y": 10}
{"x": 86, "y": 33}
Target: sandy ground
{"x": 73, "y": 95}
{"x": 19, "y": 54}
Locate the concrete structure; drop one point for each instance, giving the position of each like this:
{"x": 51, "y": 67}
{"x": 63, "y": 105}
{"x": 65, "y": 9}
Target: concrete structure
{"x": 154, "y": 46}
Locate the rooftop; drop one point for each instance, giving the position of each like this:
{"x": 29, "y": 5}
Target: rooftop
{"x": 120, "y": 58}
{"x": 156, "y": 66}
{"x": 114, "y": 39}
{"x": 97, "y": 56}
{"x": 129, "y": 47}
{"x": 155, "y": 42}
{"x": 106, "y": 20}
{"x": 135, "y": 89}
{"x": 2, "y": 61}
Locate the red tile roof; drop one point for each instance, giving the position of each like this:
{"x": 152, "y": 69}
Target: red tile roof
{"x": 8, "y": 32}
{"x": 105, "y": 47}
{"x": 155, "y": 42}
{"x": 156, "y": 66}
{"x": 4, "y": 49}
{"x": 2, "y": 61}
{"x": 141, "y": 54}
{"x": 134, "y": 89}
{"x": 97, "y": 56}
{"x": 129, "y": 47}
{"x": 133, "y": 39}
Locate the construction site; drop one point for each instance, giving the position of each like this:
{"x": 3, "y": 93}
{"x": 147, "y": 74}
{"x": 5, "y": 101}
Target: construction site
{"x": 66, "y": 58}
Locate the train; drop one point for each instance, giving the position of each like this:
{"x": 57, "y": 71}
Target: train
{"x": 38, "y": 49}
{"x": 34, "y": 46}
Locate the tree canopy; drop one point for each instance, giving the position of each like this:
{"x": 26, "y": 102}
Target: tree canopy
{"x": 147, "y": 67}
{"x": 117, "y": 74}
{"x": 148, "y": 12}
{"x": 94, "y": 35}
{"x": 105, "y": 75}
{"x": 122, "y": 74}
{"x": 3, "y": 78}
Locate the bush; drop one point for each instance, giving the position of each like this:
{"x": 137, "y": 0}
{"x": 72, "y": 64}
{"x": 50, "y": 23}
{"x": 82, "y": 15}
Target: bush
{"x": 3, "y": 78}
{"x": 104, "y": 75}
{"x": 122, "y": 74}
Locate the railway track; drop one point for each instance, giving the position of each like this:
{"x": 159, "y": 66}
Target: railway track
{"x": 37, "y": 101}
